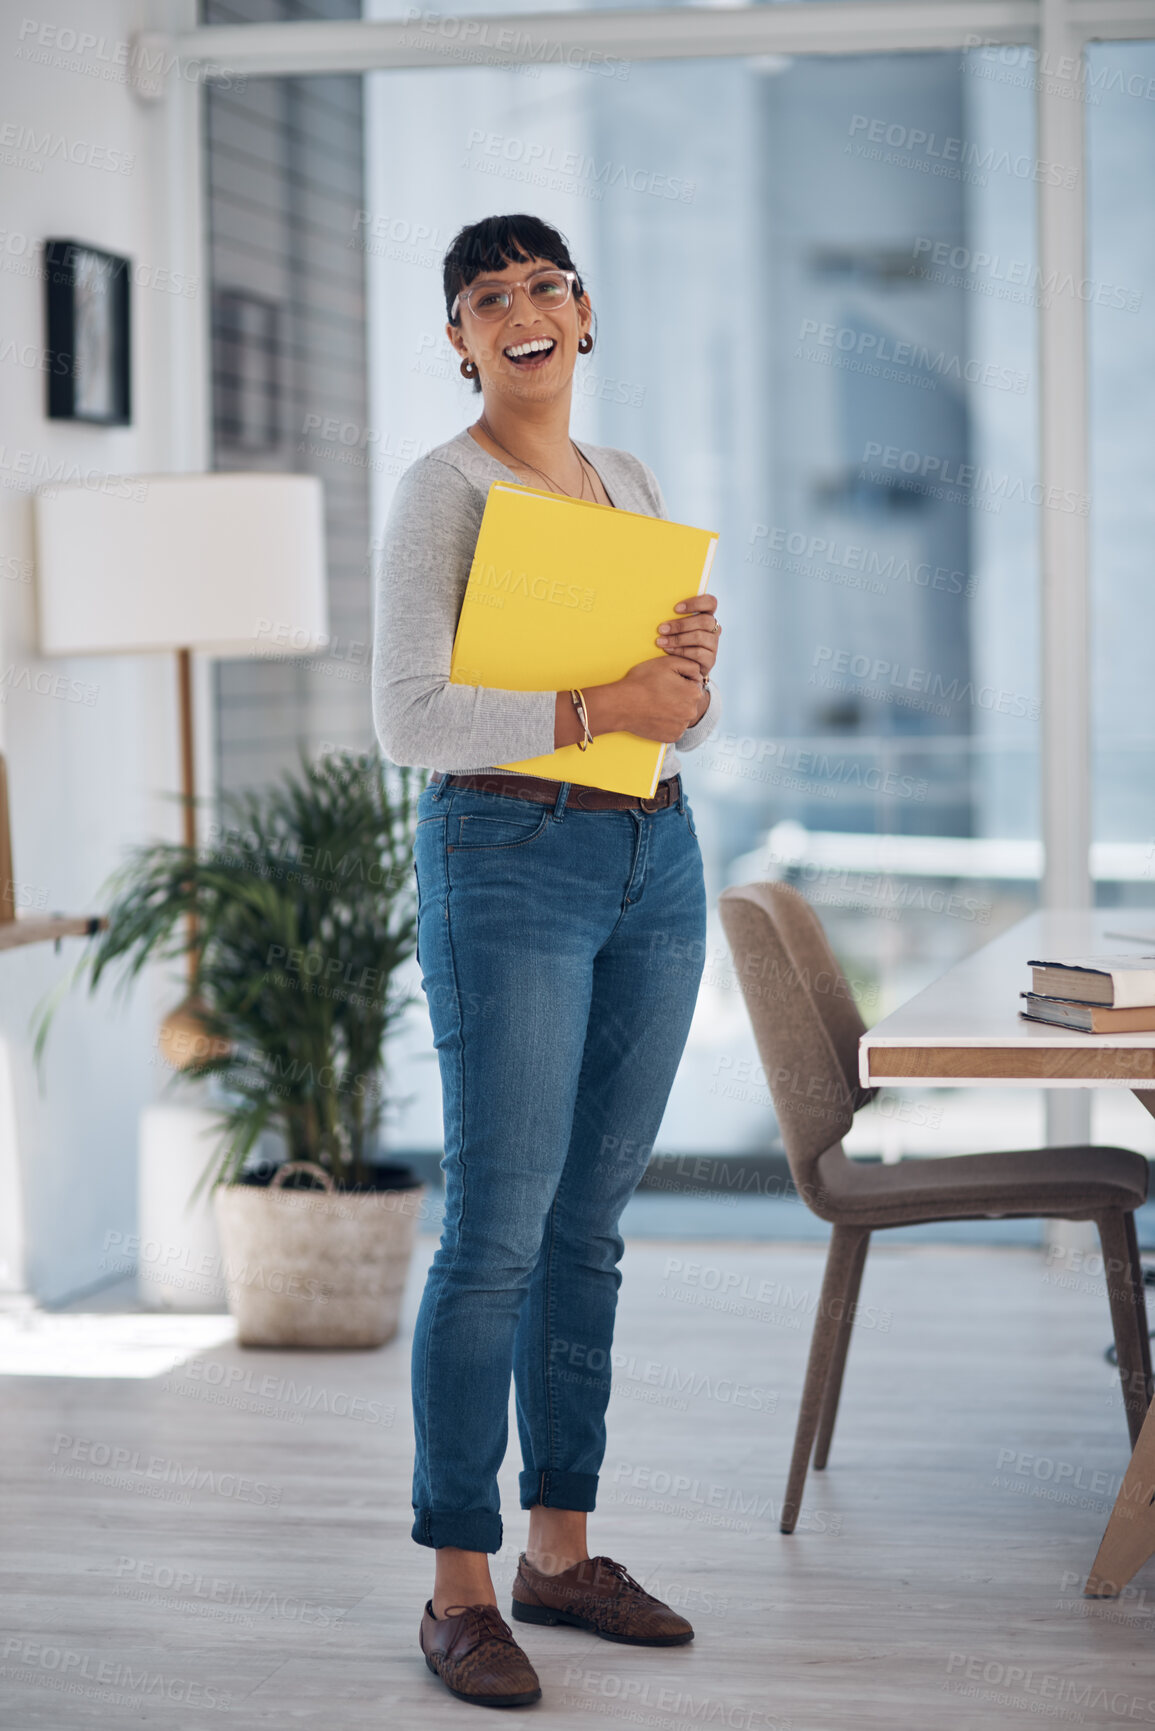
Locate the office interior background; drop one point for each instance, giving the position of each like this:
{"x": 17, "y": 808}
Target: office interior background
{"x": 874, "y": 286}
{"x": 823, "y": 315}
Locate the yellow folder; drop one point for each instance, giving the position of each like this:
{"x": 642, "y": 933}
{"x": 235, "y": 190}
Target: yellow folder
{"x": 566, "y": 592}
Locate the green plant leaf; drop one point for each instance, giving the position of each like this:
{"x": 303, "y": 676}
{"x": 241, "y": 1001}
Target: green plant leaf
{"x": 305, "y": 908}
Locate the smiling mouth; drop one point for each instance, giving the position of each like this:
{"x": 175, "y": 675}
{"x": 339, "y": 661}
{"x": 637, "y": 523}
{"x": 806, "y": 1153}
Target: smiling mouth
{"x": 532, "y": 358}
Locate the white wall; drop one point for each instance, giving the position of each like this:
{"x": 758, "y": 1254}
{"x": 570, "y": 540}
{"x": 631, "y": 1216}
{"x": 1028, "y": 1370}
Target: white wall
{"x": 85, "y": 160}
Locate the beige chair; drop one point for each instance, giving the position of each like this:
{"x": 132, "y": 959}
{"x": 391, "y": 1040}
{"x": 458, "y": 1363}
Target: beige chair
{"x": 807, "y": 1028}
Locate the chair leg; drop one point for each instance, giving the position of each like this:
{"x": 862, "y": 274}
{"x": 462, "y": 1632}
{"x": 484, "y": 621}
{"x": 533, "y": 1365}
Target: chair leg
{"x": 1130, "y": 1536}
{"x": 845, "y": 1246}
{"x": 1128, "y": 1314}
{"x": 838, "y": 1360}
{"x": 1144, "y": 1332}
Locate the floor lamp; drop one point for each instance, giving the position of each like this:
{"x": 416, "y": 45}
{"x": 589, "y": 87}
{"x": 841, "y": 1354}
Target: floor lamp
{"x": 230, "y": 565}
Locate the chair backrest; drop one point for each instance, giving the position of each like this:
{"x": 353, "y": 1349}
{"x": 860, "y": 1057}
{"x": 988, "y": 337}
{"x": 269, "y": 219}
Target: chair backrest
{"x": 806, "y": 1023}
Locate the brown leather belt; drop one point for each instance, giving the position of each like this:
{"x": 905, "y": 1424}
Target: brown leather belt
{"x": 539, "y": 791}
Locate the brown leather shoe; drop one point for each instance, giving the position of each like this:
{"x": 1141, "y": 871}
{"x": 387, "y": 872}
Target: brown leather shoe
{"x": 600, "y": 1596}
{"x": 473, "y": 1651}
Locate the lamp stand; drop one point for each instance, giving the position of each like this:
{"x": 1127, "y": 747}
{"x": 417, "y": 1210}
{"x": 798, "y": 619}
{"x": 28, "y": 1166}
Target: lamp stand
{"x": 183, "y": 1038}
{"x": 187, "y": 781}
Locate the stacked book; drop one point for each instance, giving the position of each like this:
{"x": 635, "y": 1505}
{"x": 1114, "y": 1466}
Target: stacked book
{"x": 1094, "y": 995}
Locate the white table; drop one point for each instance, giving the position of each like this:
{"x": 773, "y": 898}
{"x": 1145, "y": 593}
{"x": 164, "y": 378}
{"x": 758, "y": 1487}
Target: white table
{"x": 964, "y": 1031}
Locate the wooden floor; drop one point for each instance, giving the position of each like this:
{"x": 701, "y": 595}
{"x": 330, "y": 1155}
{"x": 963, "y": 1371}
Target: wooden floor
{"x": 245, "y": 1559}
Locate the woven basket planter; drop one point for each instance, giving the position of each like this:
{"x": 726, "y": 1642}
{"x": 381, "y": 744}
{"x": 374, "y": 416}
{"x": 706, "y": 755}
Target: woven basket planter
{"x": 310, "y": 1268}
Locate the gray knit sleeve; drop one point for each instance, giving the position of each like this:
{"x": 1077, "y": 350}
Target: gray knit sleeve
{"x": 702, "y": 729}
{"x": 420, "y": 718}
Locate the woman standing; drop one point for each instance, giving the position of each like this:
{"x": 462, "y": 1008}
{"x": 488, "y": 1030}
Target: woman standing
{"x": 561, "y": 938}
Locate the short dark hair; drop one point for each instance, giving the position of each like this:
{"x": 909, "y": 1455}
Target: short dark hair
{"x": 494, "y": 242}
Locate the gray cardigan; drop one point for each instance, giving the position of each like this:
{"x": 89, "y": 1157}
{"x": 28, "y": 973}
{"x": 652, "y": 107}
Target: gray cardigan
{"x": 430, "y": 536}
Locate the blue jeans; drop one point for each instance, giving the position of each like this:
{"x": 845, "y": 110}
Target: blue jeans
{"x": 561, "y": 953}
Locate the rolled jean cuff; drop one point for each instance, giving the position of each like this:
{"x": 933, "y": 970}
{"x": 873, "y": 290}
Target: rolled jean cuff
{"x": 555, "y": 1490}
{"x": 466, "y": 1529}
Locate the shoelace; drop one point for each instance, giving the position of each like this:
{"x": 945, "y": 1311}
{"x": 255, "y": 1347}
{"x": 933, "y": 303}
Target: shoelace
{"x": 620, "y": 1573}
{"x": 482, "y": 1620}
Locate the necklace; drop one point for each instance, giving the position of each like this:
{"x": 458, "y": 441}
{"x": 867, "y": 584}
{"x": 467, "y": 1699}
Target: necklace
{"x": 484, "y": 424}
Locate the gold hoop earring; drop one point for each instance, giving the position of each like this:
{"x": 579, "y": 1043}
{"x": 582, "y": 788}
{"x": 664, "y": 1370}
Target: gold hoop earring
{"x": 468, "y": 368}
{"x": 585, "y": 344}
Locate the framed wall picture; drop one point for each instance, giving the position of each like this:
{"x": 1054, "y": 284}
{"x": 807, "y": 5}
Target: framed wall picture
{"x": 87, "y": 317}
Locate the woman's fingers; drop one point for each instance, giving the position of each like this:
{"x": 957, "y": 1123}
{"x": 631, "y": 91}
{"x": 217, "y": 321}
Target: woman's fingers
{"x": 692, "y": 637}
{"x": 682, "y": 629}
{"x": 703, "y": 649}
{"x": 688, "y": 643}
{"x": 701, "y": 660}
{"x": 684, "y": 664}
{"x": 697, "y": 604}
{"x": 698, "y": 625}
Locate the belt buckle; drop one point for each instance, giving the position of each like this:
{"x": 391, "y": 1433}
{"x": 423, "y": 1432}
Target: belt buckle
{"x": 647, "y": 807}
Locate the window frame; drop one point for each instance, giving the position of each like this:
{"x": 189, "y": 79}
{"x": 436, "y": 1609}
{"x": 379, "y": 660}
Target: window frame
{"x": 1059, "y": 31}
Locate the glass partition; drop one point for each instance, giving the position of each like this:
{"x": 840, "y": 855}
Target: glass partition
{"x": 816, "y": 321}
{"x": 1120, "y": 295}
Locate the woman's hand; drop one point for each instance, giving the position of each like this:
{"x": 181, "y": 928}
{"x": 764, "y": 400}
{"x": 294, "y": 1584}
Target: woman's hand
{"x": 693, "y": 634}
{"x": 658, "y": 698}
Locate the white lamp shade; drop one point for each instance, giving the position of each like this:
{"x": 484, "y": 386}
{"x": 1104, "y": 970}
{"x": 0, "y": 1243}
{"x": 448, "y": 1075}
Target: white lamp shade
{"x": 233, "y": 564}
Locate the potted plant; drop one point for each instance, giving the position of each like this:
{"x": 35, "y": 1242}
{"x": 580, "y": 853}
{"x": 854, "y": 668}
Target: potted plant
{"x": 293, "y": 921}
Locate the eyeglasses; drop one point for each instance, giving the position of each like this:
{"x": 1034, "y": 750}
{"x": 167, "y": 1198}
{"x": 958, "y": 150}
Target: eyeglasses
{"x": 547, "y": 289}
